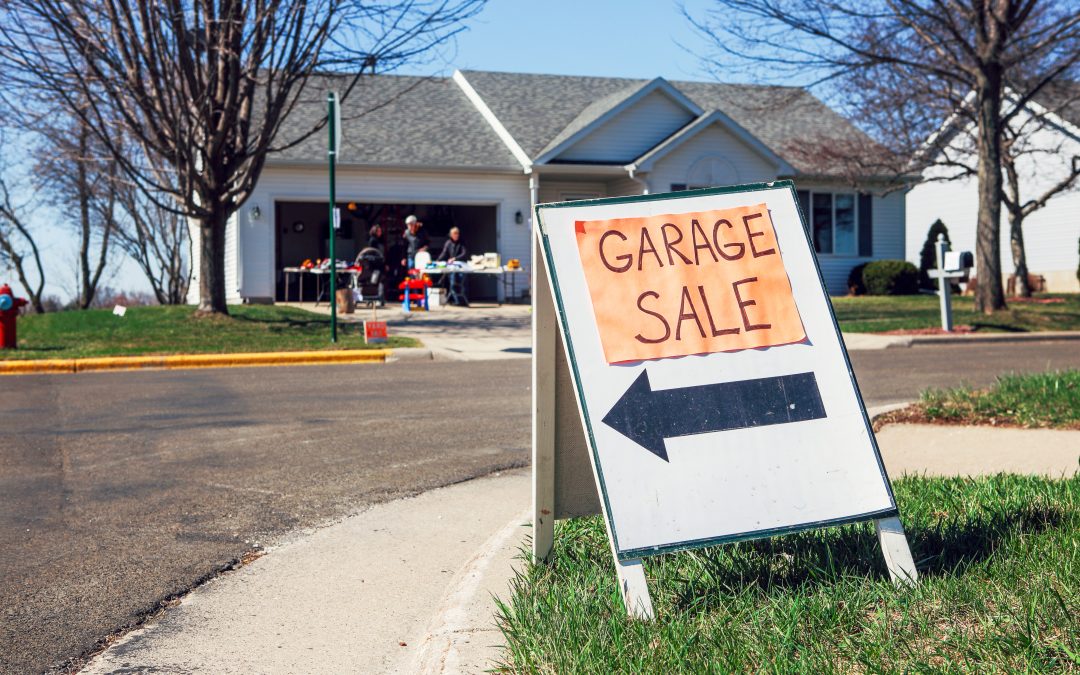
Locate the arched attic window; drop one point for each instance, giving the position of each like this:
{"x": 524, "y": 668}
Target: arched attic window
{"x": 710, "y": 171}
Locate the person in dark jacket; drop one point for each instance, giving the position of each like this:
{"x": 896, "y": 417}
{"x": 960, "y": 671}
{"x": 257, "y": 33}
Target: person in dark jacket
{"x": 375, "y": 238}
{"x": 454, "y": 251}
{"x": 415, "y": 241}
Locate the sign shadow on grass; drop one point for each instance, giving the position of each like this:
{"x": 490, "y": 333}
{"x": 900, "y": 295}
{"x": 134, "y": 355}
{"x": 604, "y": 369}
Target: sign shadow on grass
{"x": 825, "y": 557}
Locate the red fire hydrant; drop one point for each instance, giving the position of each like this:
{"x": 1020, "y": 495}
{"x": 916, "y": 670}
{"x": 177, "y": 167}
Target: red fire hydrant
{"x": 9, "y": 311}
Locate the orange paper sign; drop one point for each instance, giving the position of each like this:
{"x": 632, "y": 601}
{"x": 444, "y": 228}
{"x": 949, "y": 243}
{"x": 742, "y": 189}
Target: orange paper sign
{"x": 688, "y": 283}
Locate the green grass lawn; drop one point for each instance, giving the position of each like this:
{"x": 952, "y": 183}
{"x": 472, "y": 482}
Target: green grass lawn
{"x": 1035, "y": 400}
{"x": 872, "y": 314}
{"x": 999, "y": 560}
{"x": 175, "y": 330}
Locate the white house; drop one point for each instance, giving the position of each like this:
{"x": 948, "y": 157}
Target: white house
{"x": 480, "y": 149}
{"x": 1052, "y": 233}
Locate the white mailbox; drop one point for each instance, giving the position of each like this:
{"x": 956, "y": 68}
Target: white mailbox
{"x": 959, "y": 261}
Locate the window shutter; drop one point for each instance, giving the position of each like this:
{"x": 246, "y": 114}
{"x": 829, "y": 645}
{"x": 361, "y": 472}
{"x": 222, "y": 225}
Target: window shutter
{"x": 804, "y": 205}
{"x": 866, "y": 225}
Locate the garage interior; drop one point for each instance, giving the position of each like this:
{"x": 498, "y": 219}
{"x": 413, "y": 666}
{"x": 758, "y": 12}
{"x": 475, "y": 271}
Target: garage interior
{"x": 302, "y": 232}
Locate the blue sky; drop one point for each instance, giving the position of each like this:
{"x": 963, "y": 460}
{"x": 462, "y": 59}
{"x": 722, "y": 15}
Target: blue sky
{"x": 646, "y": 39}
{"x": 640, "y": 39}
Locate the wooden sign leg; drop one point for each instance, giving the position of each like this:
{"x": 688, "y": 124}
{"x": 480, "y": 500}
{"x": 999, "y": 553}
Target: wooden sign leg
{"x": 894, "y": 546}
{"x": 634, "y": 589}
{"x": 544, "y": 344}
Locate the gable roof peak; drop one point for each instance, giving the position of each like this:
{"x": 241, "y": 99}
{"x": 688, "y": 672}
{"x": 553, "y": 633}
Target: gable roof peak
{"x": 606, "y": 107}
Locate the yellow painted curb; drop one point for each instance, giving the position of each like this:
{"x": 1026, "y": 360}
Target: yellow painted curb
{"x": 38, "y": 366}
{"x": 194, "y": 361}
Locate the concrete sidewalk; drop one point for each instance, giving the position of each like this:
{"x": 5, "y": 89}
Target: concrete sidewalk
{"x": 404, "y": 587}
{"x": 482, "y": 331}
{"x": 407, "y": 587}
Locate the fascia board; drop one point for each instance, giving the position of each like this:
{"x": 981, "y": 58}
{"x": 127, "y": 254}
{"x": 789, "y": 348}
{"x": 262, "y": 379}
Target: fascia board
{"x": 432, "y": 168}
{"x": 1051, "y": 117}
{"x": 502, "y": 132}
{"x": 658, "y": 84}
{"x": 564, "y": 169}
{"x": 951, "y": 125}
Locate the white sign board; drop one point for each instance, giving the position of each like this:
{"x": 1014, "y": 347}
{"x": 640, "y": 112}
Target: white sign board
{"x": 338, "y": 132}
{"x": 715, "y": 392}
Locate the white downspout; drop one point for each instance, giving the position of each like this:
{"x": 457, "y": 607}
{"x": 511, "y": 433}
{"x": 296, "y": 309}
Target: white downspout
{"x": 632, "y": 171}
{"x": 534, "y": 196}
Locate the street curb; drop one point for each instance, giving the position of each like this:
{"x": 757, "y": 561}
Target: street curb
{"x": 182, "y": 361}
{"x": 425, "y": 354}
{"x": 995, "y": 337}
{"x": 410, "y": 354}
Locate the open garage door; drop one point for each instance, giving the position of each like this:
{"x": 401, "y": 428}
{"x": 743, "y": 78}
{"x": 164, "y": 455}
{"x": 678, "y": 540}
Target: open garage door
{"x": 302, "y": 232}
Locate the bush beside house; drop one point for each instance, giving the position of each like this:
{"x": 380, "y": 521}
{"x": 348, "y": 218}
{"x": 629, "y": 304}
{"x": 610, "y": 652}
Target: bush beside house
{"x": 855, "y": 281}
{"x": 890, "y": 277}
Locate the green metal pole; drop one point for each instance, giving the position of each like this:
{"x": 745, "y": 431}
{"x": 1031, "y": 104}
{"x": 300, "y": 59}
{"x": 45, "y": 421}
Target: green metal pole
{"x": 331, "y": 116}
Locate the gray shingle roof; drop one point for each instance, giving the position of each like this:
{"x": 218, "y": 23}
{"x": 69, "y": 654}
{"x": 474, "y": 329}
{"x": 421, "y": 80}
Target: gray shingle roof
{"x": 398, "y": 120}
{"x": 590, "y": 114}
{"x": 1063, "y": 98}
{"x": 536, "y": 108}
{"x": 412, "y": 121}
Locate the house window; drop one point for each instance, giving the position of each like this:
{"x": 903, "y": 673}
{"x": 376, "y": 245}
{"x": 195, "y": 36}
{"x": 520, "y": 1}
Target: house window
{"x": 840, "y": 223}
{"x": 679, "y": 187}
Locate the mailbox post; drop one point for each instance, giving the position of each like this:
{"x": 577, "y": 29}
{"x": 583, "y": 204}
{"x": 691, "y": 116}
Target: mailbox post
{"x": 944, "y": 287}
{"x": 950, "y": 265}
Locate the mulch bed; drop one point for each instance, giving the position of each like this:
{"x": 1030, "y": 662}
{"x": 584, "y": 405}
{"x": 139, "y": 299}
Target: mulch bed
{"x": 964, "y": 328}
{"x": 1035, "y": 301}
{"x": 915, "y": 414}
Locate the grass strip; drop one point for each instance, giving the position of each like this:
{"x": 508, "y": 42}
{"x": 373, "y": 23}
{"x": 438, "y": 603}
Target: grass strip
{"x": 877, "y": 314}
{"x": 999, "y": 559}
{"x": 145, "y": 331}
{"x": 1035, "y": 400}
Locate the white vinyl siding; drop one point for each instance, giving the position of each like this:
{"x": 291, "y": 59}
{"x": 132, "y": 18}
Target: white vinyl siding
{"x": 629, "y": 186}
{"x": 1050, "y": 233}
{"x": 552, "y": 190}
{"x": 631, "y": 132}
{"x": 708, "y": 148}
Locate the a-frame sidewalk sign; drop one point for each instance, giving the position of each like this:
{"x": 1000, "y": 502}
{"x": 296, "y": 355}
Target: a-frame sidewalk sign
{"x": 690, "y": 381}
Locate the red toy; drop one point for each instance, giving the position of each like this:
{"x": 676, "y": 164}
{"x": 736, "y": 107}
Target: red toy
{"x": 9, "y": 311}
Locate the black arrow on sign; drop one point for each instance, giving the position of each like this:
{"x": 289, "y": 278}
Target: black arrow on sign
{"x": 647, "y": 417}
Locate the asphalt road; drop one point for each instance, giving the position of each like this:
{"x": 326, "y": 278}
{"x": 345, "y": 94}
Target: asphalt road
{"x": 121, "y": 490}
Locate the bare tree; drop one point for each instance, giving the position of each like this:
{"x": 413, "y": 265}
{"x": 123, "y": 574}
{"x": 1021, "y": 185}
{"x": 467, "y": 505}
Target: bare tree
{"x": 157, "y": 240}
{"x": 203, "y": 88}
{"x": 18, "y": 249}
{"x": 80, "y": 178}
{"x": 1038, "y": 151}
{"x": 903, "y": 67}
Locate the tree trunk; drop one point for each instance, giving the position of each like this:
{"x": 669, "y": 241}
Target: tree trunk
{"x": 989, "y": 294}
{"x": 82, "y": 188}
{"x": 212, "y": 264}
{"x": 1016, "y": 242}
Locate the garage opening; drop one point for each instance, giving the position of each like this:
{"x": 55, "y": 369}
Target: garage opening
{"x": 303, "y": 233}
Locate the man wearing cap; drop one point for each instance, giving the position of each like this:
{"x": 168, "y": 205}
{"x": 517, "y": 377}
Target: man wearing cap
{"x": 415, "y": 240}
